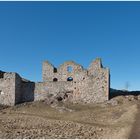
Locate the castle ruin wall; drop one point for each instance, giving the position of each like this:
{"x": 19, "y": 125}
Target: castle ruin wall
{"x": 69, "y": 82}
{"x": 91, "y": 85}
{"x": 7, "y": 89}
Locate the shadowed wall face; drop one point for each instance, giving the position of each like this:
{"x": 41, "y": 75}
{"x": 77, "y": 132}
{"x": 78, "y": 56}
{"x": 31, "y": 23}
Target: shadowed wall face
{"x": 27, "y": 89}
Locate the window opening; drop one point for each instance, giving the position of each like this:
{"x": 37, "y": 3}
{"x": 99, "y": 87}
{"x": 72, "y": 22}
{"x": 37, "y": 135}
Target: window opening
{"x": 69, "y": 69}
{"x": 55, "y": 70}
{"x": 55, "y": 79}
{"x": 69, "y": 79}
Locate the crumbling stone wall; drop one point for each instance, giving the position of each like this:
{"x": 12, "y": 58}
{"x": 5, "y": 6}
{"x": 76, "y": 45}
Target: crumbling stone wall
{"x": 85, "y": 85}
{"x": 14, "y": 90}
{"x": 7, "y": 89}
{"x": 69, "y": 82}
{"x": 62, "y": 73}
{"x": 45, "y": 90}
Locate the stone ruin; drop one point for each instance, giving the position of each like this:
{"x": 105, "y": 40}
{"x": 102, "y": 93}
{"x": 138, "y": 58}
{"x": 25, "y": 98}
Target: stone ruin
{"x": 70, "y": 82}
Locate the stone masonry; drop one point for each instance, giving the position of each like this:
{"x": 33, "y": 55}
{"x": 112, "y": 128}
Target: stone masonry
{"x": 70, "y": 82}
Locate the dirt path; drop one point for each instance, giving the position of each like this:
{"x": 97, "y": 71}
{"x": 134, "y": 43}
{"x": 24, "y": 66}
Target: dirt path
{"x": 135, "y": 132}
{"x": 37, "y": 120}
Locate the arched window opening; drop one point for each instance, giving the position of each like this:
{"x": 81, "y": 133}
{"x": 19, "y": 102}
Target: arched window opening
{"x": 55, "y": 79}
{"x": 55, "y": 70}
{"x": 69, "y": 79}
{"x": 69, "y": 68}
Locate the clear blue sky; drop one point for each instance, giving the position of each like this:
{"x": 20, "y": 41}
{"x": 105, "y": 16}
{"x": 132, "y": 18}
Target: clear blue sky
{"x": 31, "y": 32}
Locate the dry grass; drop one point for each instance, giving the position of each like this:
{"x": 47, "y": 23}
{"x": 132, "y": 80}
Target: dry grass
{"x": 38, "y": 120}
